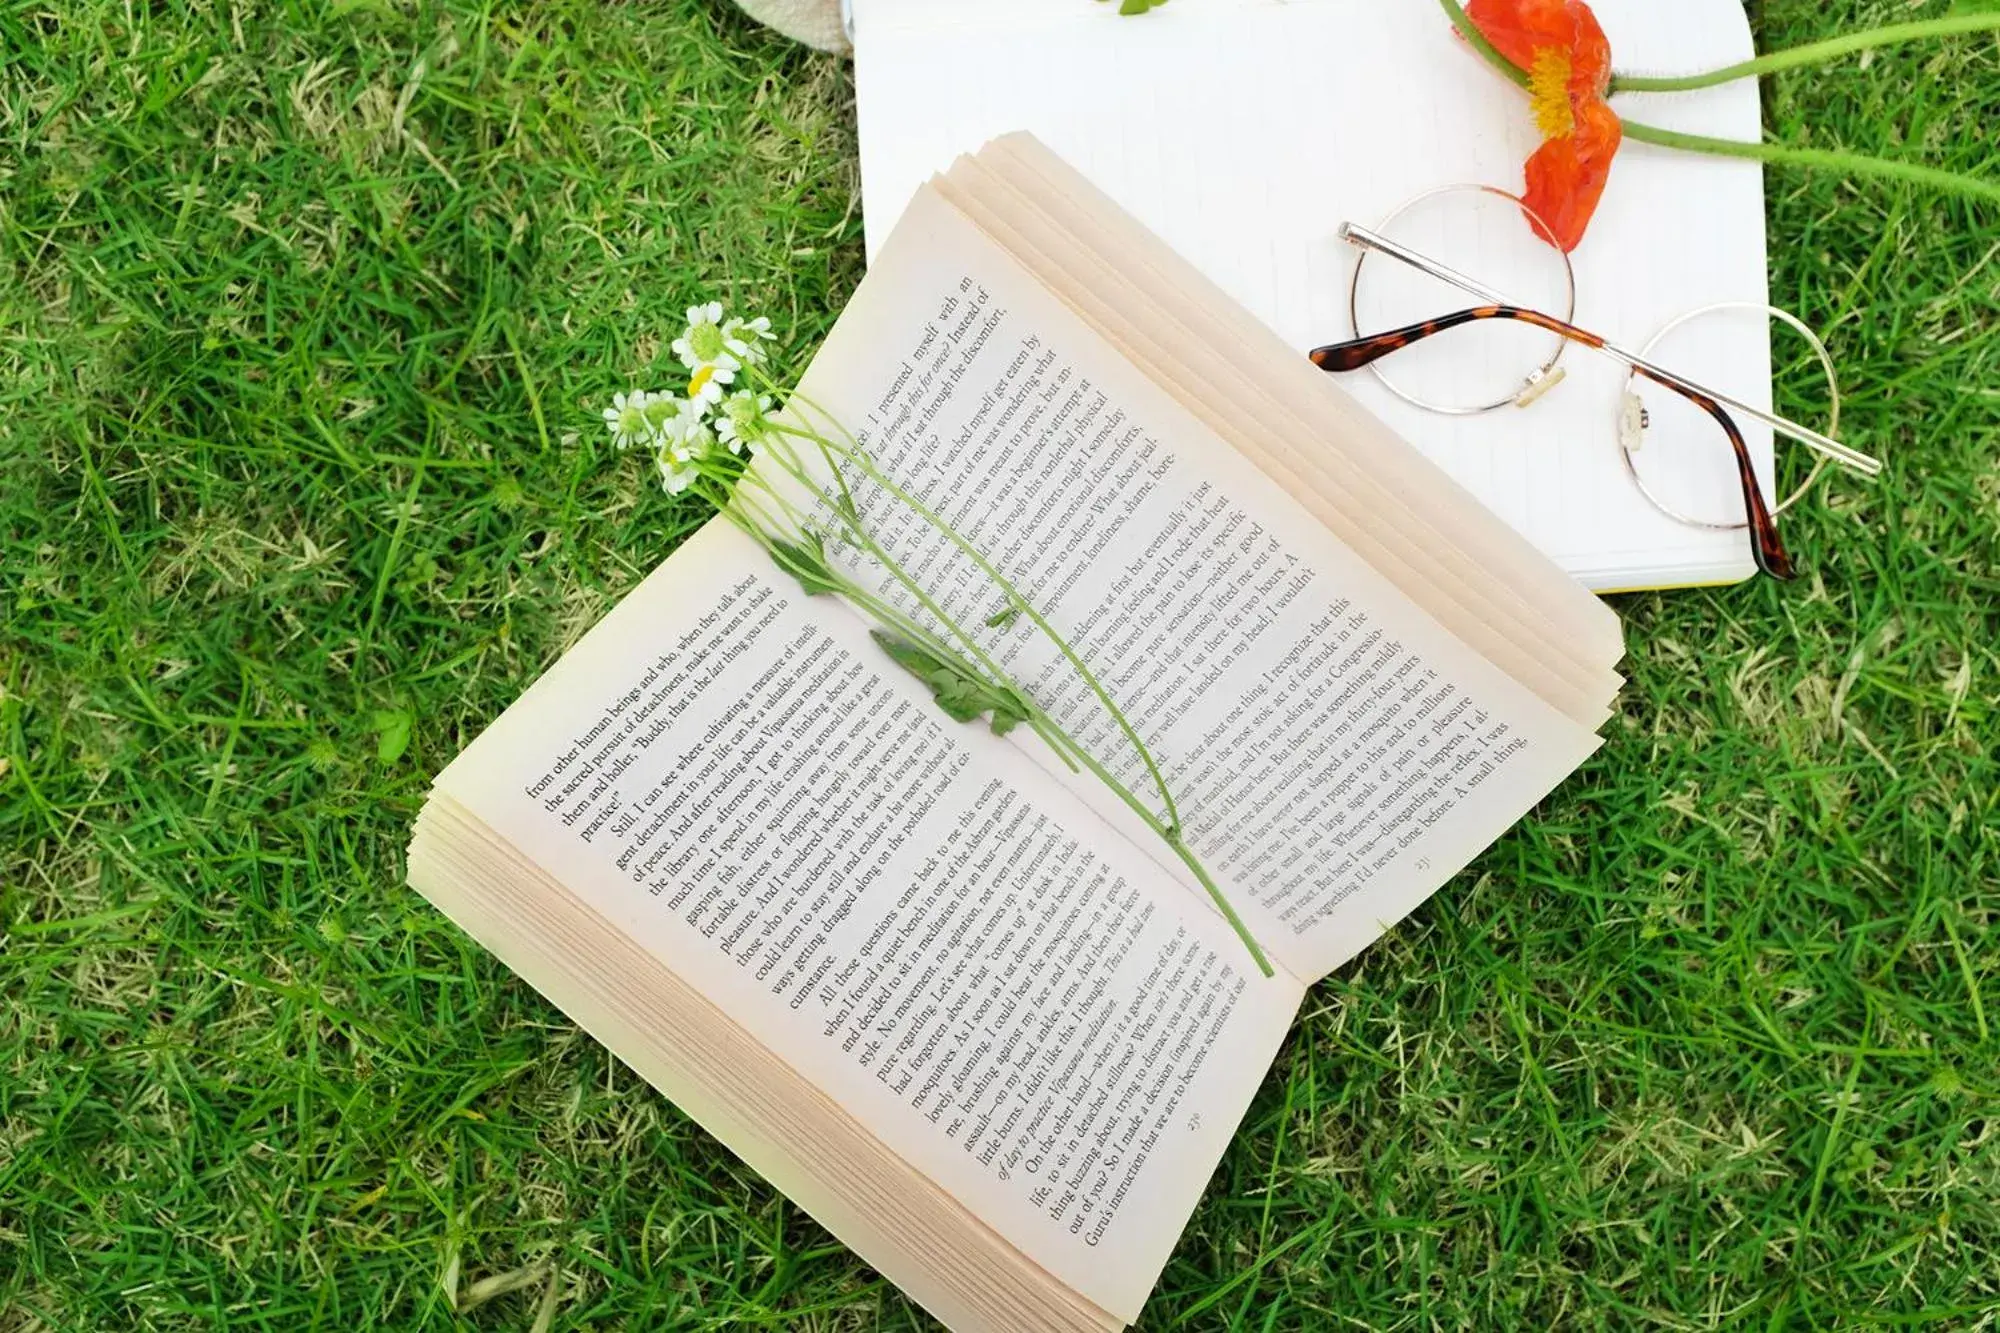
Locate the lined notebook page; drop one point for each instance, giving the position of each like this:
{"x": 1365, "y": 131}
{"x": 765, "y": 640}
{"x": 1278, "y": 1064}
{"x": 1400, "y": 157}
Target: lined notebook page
{"x": 1245, "y": 131}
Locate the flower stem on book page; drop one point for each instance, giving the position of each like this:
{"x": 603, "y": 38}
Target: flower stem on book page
{"x": 697, "y": 442}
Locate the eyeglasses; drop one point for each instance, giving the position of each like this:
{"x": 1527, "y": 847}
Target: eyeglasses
{"x": 1759, "y": 517}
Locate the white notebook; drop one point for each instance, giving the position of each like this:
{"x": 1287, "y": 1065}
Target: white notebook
{"x": 1245, "y": 131}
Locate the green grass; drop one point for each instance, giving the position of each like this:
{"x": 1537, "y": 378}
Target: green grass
{"x": 299, "y": 305}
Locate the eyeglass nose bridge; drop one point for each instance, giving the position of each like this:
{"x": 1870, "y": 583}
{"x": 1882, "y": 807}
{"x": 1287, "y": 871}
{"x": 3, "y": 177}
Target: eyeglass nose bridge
{"x": 1539, "y": 383}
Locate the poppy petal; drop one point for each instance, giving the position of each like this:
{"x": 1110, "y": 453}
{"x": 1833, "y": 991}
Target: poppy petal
{"x": 1518, "y": 28}
{"x": 1589, "y": 54}
{"x": 1566, "y": 176}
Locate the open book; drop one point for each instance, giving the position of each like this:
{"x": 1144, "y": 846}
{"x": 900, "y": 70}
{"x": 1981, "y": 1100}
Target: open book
{"x": 950, "y": 996}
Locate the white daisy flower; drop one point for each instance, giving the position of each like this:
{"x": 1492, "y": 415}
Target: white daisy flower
{"x": 703, "y": 345}
{"x": 745, "y": 338}
{"x": 663, "y": 416}
{"x": 685, "y": 435}
{"x": 675, "y": 475}
{"x": 628, "y": 419}
{"x": 706, "y": 385}
{"x": 697, "y": 440}
{"x": 680, "y": 447}
{"x": 742, "y": 419}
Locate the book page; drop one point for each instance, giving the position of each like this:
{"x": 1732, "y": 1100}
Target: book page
{"x": 903, "y": 908}
{"x": 1398, "y": 512}
{"x": 1334, "y": 753}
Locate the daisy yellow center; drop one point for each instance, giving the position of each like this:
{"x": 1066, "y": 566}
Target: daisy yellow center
{"x": 1548, "y": 93}
{"x": 632, "y": 421}
{"x": 705, "y": 340}
{"x": 700, "y": 380}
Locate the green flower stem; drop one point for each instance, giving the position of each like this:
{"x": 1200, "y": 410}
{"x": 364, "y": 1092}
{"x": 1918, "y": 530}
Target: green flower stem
{"x": 1813, "y": 53}
{"x": 850, "y": 520}
{"x": 730, "y": 496}
{"x": 1834, "y": 48}
{"x": 1042, "y": 724}
{"x": 1018, "y": 601}
{"x": 1477, "y": 41}
{"x": 1016, "y": 598}
{"x": 764, "y": 381}
{"x": 1853, "y": 164}
{"x": 1058, "y": 738}
{"x": 1168, "y": 830}
{"x": 734, "y": 491}
{"x": 1215, "y": 893}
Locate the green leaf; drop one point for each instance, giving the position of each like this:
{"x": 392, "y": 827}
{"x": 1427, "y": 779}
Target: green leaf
{"x": 958, "y": 710}
{"x": 392, "y": 733}
{"x": 905, "y": 654}
{"x": 962, "y": 694}
{"x": 1004, "y": 617}
{"x": 805, "y": 560}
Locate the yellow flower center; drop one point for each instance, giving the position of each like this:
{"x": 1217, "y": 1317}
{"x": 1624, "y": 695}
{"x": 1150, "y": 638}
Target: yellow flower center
{"x": 1548, "y": 93}
{"x": 700, "y": 379}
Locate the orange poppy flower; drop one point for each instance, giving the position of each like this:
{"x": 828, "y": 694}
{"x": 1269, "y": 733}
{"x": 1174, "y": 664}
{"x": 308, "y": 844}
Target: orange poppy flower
{"x": 1568, "y": 60}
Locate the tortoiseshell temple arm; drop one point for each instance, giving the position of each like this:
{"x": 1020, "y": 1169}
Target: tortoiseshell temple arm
{"x": 1355, "y": 354}
{"x": 1768, "y": 551}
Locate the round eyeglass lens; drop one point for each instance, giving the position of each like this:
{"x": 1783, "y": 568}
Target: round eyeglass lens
{"x": 1679, "y": 455}
{"x": 1487, "y": 235}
